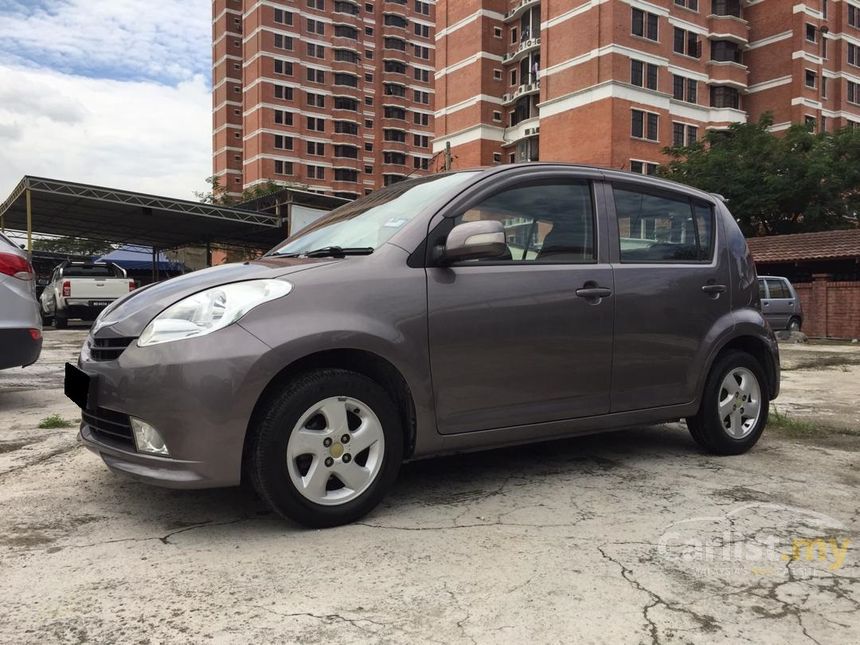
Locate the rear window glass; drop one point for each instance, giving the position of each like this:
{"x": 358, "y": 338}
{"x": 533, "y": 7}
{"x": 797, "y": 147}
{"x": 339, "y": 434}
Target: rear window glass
{"x": 778, "y": 289}
{"x": 90, "y": 271}
{"x": 663, "y": 228}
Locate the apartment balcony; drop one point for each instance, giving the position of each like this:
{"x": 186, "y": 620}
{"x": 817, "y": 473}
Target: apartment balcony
{"x": 727, "y": 73}
{"x": 729, "y": 28}
{"x": 522, "y": 50}
{"x": 520, "y": 9}
{"x": 522, "y": 130}
{"x": 524, "y": 89}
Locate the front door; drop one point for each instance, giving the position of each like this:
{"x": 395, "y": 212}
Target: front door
{"x": 511, "y": 342}
{"x": 779, "y": 305}
{"x": 672, "y": 285}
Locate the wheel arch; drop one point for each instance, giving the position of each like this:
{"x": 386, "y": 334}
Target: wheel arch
{"x": 361, "y": 361}
{"x": 755, "y": 346}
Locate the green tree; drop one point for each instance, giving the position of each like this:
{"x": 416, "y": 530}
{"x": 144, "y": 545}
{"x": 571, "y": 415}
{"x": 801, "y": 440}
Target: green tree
{"x": 792, "y": 182}
{"x": 218, "y": 194}
{"x": 72, "y": 246}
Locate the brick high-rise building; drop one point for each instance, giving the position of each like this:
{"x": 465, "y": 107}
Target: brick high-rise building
{"x": 613, "y": 82}
{"x": 335, "y": 95}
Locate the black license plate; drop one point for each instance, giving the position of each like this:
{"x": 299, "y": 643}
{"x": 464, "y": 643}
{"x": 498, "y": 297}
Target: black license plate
{"x": 77, "y": 385}
{"x": 99, "y": 303}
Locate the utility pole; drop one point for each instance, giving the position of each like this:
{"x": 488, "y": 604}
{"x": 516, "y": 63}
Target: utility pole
{"x": 447, "y": 156}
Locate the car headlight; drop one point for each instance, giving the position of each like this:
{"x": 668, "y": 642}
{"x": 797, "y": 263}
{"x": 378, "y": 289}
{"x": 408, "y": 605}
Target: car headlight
{"x": 210, "y": 310}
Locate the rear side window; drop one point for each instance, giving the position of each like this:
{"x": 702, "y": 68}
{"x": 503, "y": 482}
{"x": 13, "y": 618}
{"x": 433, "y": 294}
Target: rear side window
{"x": 663, "y": 228}
{"x": 778, "y": 289}
{"x": 762, "y": 291}
{"x": 549, "y": 222}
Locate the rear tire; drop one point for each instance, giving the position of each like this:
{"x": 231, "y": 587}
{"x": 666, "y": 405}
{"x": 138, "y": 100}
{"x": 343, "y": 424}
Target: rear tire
{"x": 298, "y": 461}
{"x": 734, "y": 408}
{"x": 794, "y": 324}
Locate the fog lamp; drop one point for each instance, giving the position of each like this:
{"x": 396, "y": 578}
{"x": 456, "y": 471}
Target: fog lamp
{"x": 147, "y": 439}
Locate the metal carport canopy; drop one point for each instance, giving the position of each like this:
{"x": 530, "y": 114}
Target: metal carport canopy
{"x": 118, "y": 216}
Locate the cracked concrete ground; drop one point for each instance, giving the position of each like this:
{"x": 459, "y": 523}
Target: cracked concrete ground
{"x": 632, "y": 537}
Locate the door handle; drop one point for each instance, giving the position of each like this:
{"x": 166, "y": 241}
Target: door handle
{"x": 594, "y": 293}
{"x": 714, "y": 289}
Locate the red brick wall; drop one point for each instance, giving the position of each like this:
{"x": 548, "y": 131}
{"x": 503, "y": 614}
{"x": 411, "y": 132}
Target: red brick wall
{"x": 830, "y": 309}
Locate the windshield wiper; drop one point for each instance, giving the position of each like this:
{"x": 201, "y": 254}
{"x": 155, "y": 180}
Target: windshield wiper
{"x": 339, "y": 251}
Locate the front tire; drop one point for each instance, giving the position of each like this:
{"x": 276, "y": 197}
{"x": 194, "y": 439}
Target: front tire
{"x": 327, "y": 448}
{"x": 734, "y": 408}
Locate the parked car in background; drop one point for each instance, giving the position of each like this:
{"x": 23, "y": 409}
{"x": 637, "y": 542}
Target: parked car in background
{"x": 779, "y": 303}
{"x": 20, "y": 324}
{"x": 81, "y": 290}
{"x": 449, "y": 313}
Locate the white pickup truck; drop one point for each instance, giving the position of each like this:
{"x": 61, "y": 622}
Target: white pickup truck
{"x": 81, "y": 290}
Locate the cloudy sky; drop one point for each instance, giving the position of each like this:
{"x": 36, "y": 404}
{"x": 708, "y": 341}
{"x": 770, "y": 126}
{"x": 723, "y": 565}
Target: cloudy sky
{"x": 110, "y": 92}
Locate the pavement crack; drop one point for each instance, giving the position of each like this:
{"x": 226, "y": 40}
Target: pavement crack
{"x": 327, "y": 618}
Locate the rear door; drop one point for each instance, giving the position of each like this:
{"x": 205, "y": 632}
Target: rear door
{"x": 511, "y": 342}
{"x": 672, "y": 285}
{"x": 780, "y": 303}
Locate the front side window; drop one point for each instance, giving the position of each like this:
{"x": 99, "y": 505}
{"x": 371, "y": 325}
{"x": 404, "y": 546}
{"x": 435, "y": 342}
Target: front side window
{"x": 662, "y": 228}
{"x": 778, "y": 289}
{"x": 550, "y": 222}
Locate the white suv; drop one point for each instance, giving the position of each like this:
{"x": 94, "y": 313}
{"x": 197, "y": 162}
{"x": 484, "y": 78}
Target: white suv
{"x": 20, "y": 322}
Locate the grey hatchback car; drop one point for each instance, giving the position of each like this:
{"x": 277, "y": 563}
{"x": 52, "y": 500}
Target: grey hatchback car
{"x": 20, "y": 322}
{"x": 449, "y": 313}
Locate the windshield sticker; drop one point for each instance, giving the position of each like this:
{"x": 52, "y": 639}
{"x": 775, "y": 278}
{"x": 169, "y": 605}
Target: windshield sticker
{"x": 395, "y": 222}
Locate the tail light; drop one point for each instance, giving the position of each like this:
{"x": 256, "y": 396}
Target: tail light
{"x": 35, "y": 334}
{"x": 132, "y": 285}
{"x": 67, "y": 289}
{"x": 16, "y": 266}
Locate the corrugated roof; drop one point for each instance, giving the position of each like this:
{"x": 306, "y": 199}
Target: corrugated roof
{"x": 826, "y": 245}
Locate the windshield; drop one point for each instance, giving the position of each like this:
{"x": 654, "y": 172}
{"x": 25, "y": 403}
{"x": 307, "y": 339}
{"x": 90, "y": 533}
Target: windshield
{"x": 370, "y": 221}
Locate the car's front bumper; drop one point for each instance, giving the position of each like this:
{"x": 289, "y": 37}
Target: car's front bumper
{"x": 199, "y": 394}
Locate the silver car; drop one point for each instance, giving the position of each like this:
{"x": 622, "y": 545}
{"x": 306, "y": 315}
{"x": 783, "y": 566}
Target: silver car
{"x": 20, "y": 322}
{"x": 779, "y": 303}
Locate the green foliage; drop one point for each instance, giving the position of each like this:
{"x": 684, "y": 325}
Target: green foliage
{"x": 792, "y": 182}
{"x": 218, "y": 194}
{"x": 72, "y": 246}
{"x": 55, "y": 421}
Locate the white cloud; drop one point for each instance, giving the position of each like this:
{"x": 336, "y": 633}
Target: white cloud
{"x": 137, "y": 135}
{"x": 129, "y": 39}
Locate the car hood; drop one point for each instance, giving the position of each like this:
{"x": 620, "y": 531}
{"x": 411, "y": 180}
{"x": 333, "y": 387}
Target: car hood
{"x": 128, "y": 316}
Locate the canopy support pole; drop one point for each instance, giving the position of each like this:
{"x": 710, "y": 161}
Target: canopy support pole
{"x": 208, "y": 254}
{"x": 29, "y": 223}
{"x": 154, "y": 266}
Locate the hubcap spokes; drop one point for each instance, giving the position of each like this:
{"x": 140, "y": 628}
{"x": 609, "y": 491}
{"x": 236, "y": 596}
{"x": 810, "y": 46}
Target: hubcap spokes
{"x": 335, "y": 451}
{"x": 739, "y": 403}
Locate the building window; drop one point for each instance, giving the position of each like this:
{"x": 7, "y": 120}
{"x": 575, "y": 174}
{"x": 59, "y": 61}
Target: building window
{"x": 368, "y": 100}
{"x": 284, "y": 92}
{"x": 316, "y": 172}
{"x": 683, "y": 134}
{"x": 725, "y": 51}
{"x": 497, "y": 117}
{"x": 283, "y": 42}
{"x": 854, "y": 55}
{"x": 368, "y": 170}
{"x": 316, "y": 148}
{"x": 497, "y": 32}
{"x": 809, "y": 122}
{"x": 317, "y": 4}
{"x": 346, "y": 127}
{"x": 643, "y": 74}
{"x": 809, "y": 78}
{"x": 687, "y": 43}
{"x": 393, "y": 20}
{"x": 368, "y": 147}
{"x": 422, "y": 75}
{"x": 346, "y": 31}
{"x": 643, "y": 167}
{"x": 368, "y": 123}
{"x": 422, "y": 7}
{"x": 497, "y": 157}
{"x": 725, "y": 97}
{"x": 692, "y": 5}
{"x": 283, "y": 67}
{"x": 347, "y": 80}
{"x": 395, "y": 158}
{"x": 420, "y": 163}
{"x": 853, "y": 93}
{"x": 419, "y": 118}
{"x": 422, "y": 30}
{"x": 513, "y": 77}
{"x": 283, "y": 118}
{"x": 316, "y": 75}
{"x": 421, "y": 140}
{"x": 346, "y": 56}
{"x": 283, "y": 143}
{"x": 315, "y": 124}
{"x": 394, "y": 112}
{"x": 345, "y": 103}
{"x": 684, "y": 89}
{"x": 726, "y": 8}
{"x": 854, "y": 16}
{"x": 283, "y": 167}
{"x": 422, "y": 52}
{"x": 644, "y": 125}
{"x": 283, "y": 17}
{"x": 394, "y": 67}
{"x": 394, "y": 43}
{"x": 315, "y": 100}
{"x": 824, "y": 87}
{"x": 345, "y": 174}
{"x": 316, "y": 26}
{"x": 498, "y": 74}
{"x": 346, "y": 7}
{"x": 810, "y": 32}
{"x": 393, "y": 89}
{"x": 644, "y": 24}
{"x": 421, "y": 97}
{"x": 368, "y": 54}
{"x": 394, "y": 135}
{"x": 316, "y": 51}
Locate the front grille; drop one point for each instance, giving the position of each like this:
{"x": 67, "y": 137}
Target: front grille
{"x": 109, "y": 425}
{"x": 108, "y": 349}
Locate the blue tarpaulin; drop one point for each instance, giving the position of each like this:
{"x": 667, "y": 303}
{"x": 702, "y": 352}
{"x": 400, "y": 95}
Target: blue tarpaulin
{"x": 139, "y": 258}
